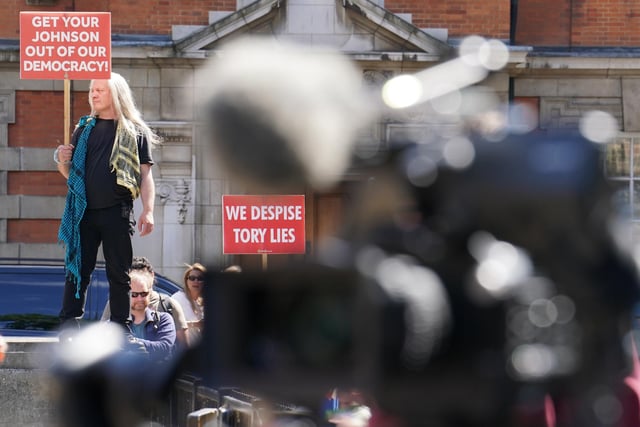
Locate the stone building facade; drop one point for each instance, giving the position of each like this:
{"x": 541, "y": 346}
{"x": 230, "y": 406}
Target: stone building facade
{"x": 556, "y": 64}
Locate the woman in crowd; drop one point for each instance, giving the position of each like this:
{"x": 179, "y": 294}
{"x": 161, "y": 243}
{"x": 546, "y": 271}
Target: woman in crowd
{"x": 191, "y": 300}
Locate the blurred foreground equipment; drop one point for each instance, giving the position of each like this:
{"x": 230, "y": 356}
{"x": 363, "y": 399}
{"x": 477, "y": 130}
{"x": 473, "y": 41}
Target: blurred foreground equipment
{"x": 476, "y": 282}
{"x": 102, "y": 381}
{"x": 501, "y": 289}
{"x": 497, "y": 296}
{"x": 281, "y": 116}
{"x": 540, "y": 292}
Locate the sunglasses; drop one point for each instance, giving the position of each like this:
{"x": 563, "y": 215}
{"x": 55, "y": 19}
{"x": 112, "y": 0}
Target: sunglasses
{"x": 196, "y": 278}
{"x": 139, "y": 294}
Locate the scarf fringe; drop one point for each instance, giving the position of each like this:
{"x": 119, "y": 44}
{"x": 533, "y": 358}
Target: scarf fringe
{"x": 75, "y": 205}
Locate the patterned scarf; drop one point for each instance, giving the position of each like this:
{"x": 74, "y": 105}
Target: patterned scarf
{"x": 125, "y": 162}
{"x": 76, "y": 203}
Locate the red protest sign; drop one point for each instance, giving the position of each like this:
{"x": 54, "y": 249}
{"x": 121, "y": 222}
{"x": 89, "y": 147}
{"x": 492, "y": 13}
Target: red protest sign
{"x": 263, "y": 224}
{"x": 65, "y": 45}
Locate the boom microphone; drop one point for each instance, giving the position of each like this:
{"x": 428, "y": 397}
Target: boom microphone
{"x": 280, "y": 116}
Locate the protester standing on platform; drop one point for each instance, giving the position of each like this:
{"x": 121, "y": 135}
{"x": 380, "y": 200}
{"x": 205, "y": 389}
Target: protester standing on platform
{"x": 191, "y": 300}
{"x": 107, "y": 166}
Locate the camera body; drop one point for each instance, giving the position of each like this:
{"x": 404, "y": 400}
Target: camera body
{"x": 293, "y": 334}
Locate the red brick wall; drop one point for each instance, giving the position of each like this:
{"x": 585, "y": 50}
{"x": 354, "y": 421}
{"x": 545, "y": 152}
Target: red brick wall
{"x": 606, "y": 23}
{"x": 462, "y": 17}
{"x": 543, "y": 23}
{"x": 32, "y": 230}
{"x": 157, "y": 16}
{"x": 488, "y": 18}
{"x": 39, "y": 123}
{"x": 36, "y": 183}
{"x": 578, "y": 23}
{"x": 40, "y": 117}
{"x": 127, "y": 17}
{"x": 10, "y": 16}
{"x": 540, "y": 22}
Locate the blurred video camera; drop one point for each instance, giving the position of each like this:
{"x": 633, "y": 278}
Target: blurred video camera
{"x": 499, "y": 287}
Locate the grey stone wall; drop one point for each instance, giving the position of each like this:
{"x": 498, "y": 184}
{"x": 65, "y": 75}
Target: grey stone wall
{"x": 24, "y": 399}
{"x": 25, "y": 391}
{"x": 564, "y": 100}
{"x": 631, "y": 103}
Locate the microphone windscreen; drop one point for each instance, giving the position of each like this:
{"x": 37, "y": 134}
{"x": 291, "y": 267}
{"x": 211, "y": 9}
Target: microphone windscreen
{"x": 280, "y": 115}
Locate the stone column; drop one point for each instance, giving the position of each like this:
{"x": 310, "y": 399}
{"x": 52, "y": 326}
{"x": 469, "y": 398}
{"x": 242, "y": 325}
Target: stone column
{"x": 171, "y": 244}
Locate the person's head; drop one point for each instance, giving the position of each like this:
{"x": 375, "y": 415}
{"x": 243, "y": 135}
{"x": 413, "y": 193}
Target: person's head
{"x": 141, "y": 263}
{"x": 193, "y": 280}
{"x": 101, "y": 100}
{"x": 119, "y": 98}
{"x": 141, "y": 284}
{"x": 113, "y": 99}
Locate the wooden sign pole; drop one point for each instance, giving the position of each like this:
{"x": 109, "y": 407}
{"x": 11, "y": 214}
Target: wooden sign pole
{"x": 264, "y": 262}
{"x": 67, "y": 109}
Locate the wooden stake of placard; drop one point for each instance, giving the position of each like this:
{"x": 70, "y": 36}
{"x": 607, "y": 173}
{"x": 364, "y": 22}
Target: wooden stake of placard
{"x": 67, "y": 108}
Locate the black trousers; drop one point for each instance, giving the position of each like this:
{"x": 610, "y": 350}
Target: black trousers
{"x": 112, "y": 227}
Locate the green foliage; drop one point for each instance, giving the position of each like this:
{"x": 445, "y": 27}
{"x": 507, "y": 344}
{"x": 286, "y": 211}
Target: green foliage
{"x": 31, "y": 321}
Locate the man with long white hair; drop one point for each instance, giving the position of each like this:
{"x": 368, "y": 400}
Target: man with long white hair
{"x": 107, "y": 166}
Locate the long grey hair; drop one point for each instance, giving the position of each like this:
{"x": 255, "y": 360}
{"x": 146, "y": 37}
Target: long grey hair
{"x": 128, "y": 115}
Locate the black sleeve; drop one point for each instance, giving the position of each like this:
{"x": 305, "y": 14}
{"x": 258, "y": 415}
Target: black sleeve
{"x": 144, "y": 151}
{"x": 74, "y": 139}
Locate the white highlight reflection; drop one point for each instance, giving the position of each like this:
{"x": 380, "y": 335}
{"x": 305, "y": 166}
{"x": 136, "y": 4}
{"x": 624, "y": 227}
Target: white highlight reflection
{"x": 428, "y": 314}
{"x": 459, "y": 153}
{"x": 543, "y": 313}
{"x": 493, "y": 54}
{"x": 501, "y": 265}
{"x": 92, "y": 344}
{"x": 533, "y": 360}
{"x": 598, "y": 126}
{"x": 477, "y": 56}
{"x": 402, "y": 91}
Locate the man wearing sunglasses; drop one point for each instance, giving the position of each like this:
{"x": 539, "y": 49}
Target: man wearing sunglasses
{"x": 153, "y": 330}
{"x": 159, "y": 302}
